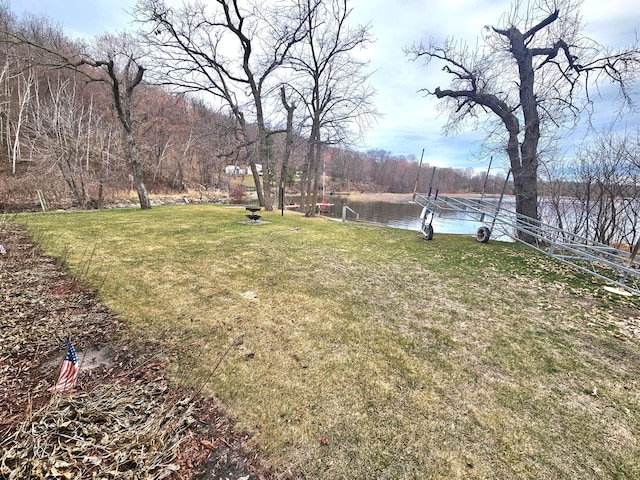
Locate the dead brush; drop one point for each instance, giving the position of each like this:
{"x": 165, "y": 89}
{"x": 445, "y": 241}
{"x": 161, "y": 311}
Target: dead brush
{"x": 115, "y": 431}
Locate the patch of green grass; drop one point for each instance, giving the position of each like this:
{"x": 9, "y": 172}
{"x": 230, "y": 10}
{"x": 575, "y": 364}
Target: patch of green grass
{"x": 358, "y": 351}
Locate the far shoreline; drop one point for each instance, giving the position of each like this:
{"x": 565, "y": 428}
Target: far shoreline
{"x": 400, "y": 197}
{"x": 374, "y": 196}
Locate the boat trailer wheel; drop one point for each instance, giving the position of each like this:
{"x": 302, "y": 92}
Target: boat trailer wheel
{"x": 427, "y": 231}
{"x": 483, "y": 234}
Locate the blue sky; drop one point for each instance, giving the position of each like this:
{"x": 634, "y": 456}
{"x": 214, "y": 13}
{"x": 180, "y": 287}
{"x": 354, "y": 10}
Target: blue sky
{"x": 409, "y": 122}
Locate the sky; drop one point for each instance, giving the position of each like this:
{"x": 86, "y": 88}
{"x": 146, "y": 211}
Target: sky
{"x": 409, "y": 122}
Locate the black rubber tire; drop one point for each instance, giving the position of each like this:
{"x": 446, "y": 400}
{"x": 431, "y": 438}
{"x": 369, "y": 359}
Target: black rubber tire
{"x": 427, "y": 231}
{"x": 483, "y": 234}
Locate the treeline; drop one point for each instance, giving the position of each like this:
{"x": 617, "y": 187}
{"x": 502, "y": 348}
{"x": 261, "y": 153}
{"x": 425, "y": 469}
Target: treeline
{"x": 597, "y": 193}
{"x": 379, "y": 170}
{"x": 62, "y": 141}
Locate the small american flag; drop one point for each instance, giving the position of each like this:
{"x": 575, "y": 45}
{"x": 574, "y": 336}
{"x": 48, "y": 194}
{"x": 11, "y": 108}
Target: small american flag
{"x": 68, "y": 371}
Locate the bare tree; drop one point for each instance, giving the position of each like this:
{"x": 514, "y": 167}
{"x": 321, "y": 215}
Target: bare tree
{"x": 343, "y": 165}
{"x": 290, "y": 108}
{"x": 116, "y": 62}
{"x": 17, "y": 80}
{"x": 230, "y": 49}
{"x": 62, "y": 124}
{"x": 607, "y": 172}
{"x": 331, "y": 82}
{"x": 121, "y": 64}
{"x": 533, "y": 75}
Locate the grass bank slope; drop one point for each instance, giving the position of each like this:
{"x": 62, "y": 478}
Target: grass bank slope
{"x": 357, "y": 351}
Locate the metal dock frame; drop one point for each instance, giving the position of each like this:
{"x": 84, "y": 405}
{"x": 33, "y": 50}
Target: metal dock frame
{"x": 613, "y": 265}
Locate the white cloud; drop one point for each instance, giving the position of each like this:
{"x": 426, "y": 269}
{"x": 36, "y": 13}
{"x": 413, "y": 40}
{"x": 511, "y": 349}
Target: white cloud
{"x": 410, "y": 121}
{"x": 81, "y": 18}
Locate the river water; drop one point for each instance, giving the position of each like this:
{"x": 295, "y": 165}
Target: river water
{"x": 403, "y": 215}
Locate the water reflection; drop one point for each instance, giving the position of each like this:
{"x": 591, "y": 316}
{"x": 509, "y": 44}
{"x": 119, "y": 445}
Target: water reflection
{"x": 403, "y": 215}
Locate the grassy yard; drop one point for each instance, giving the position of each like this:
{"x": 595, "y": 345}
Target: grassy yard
{"x": 355, "y": 351}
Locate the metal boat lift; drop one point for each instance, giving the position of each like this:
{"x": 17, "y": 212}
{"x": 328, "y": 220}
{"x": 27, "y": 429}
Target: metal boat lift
{"x": 613, "y": 265}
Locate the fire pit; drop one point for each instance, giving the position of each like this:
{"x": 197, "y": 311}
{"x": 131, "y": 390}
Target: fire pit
{"x": 253, "y": 216}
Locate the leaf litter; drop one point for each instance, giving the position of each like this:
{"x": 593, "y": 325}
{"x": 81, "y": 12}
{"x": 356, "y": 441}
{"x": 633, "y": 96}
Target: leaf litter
{"x": 124, "y": 421}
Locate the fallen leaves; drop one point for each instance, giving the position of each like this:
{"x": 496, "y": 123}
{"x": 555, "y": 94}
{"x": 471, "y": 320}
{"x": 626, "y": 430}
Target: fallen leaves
{"x": 125, "y": 422}
{"x": 114, "y": 430}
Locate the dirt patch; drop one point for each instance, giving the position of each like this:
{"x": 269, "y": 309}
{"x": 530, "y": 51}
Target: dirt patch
{"x": 39, "y": 306}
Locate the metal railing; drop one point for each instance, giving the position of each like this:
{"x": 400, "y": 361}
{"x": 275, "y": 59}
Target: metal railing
{"x": 344, "y": 213}
{"x": 613, "y": 265}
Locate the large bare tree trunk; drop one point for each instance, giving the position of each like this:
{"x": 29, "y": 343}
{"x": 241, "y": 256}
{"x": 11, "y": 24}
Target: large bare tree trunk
{"x": 288, "y": 144}
{"x": 123, "y": 85}
{"x": 24, "y": 96}
{"x": 526, "y": 175}
{"x": 554, "y": 62}
{"x": 138, "y": 171}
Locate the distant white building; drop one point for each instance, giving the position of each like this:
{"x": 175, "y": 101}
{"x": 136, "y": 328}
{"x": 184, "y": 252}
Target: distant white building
{"x": 234, "y": 170}
{"x": 258, "y": 168}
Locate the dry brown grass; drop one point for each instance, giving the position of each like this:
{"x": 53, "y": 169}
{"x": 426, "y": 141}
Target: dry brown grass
{"x": 355, "y": 351}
